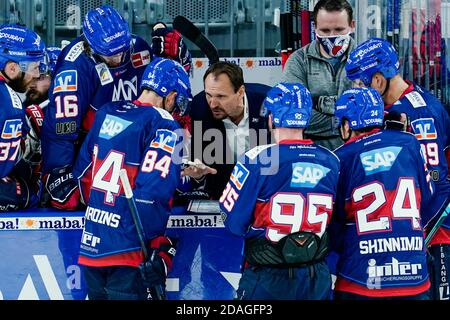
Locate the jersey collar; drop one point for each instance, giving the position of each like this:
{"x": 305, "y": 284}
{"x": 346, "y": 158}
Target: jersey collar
{"x": 362, "y": 136}
{"x": 296, "y": 141}
{"x": 141, "y": 104}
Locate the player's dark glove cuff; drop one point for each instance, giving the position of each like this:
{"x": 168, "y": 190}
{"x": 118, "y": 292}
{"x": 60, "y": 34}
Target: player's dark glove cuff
{"x": 14, "y": 194}
{"x": 392, "y": 121}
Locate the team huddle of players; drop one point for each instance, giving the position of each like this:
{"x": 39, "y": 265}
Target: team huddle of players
{"x": 371, "y": 202}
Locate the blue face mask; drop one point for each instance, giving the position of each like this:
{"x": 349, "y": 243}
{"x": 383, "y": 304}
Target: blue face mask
{"x": 335, "y": 46}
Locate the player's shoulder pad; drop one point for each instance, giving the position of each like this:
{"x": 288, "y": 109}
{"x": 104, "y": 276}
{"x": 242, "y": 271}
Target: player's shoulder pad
{"x": 139, "y": 43}
{"x": 163, "y": 113}
{"x": 74, "y": 50}
{"x": 402, "y": 137}
{"x": 339, "y": 153}
{"x": 331, "y": 156}
{"x": 417, "y": 98}
{"x": 105, "y": 109}
{"x": 103, "y": 73}
{"x": 14, "y": 100}
{"x": 141, "y": 52}
{"x": 253, "y": 153}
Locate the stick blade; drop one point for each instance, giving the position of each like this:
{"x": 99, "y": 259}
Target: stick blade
{"x": 192, "y": 33}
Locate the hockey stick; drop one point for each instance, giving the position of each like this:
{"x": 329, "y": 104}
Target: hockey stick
{"x": 297, "y": 25}
{"x": 397, "y": 25}
{"x": 414, "y": 46}
{"x": 312, "y": 32}
{"x": 305, "y": 23}
{"x": 406, "y": 31}
{"x": 192, "y": 33}
{"x": 436, "y": 226}
{"x": 425, "y": 79}
{"x": 284, "y": 37}
{"x": 159, "y": 292}
{"x": 390, "y": 22}
{"x": 438, "y": 49}
{"x": 290, "y": 39}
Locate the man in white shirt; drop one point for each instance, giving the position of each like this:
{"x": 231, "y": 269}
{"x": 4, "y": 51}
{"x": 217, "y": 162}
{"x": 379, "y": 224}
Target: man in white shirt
{"x": 227, "y": 111}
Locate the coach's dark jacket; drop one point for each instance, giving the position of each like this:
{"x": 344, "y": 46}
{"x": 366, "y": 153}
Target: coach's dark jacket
{"x": 200, "y": 111}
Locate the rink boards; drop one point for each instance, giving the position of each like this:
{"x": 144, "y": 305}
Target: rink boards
{"x": 39, "y": 251}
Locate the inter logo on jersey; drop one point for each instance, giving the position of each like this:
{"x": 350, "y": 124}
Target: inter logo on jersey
{"x": 239, "y": 175}
{"x": 165, "y": 139}
{"x": 112, "y": 126}
{"x": 424, "y": 129}
{"x": 66, "y": 81}
{"x": 379, "y": 160}
{"x": 12, "y": 129}
{"x": 307, "y": 175}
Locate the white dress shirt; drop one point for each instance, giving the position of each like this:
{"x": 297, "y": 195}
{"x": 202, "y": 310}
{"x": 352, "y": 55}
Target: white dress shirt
{"x": 238, "y": 135}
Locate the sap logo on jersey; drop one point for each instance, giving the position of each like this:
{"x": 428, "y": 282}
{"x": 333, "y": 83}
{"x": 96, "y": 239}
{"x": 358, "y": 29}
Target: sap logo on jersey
{"x": 112, "y": 126}
{"x": 12, "y": 129}
{"x": 307, "y": 175}
{"x": 424, "y": 129}
{"x": 239, "y": 175}
{"x": 379, "y": 160}
{"x": 66, "y": 81}
{"x": 165, "y": 139}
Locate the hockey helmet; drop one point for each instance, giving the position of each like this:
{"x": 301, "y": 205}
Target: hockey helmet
{"x": 362, "y": 107}
{"x": 290, "y": 105}
{"x": 52, "y": 53}
{"x": 164, "y": 76}
{"x": 371, "y": 56}
{"x": 106, "y": 31}
{"x": 23, "y": 46}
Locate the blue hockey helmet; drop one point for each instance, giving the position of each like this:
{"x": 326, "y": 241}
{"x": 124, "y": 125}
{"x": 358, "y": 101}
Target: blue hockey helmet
{"x": 164, "y": 76}
{"x": 362, "y": 107}
{"x": 21, "y": 45}
{"x": 371, "y": 56}
{"x": 106, "y": 31}
{"x": 290, "y": 105}
{"x": 52, "y": 53}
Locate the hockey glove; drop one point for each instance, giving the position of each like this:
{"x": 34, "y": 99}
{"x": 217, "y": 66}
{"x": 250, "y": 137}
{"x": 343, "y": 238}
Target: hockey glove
{"x": 32, "y": 147}
{"x": 168, "y": 43}
{"x": 155, "y": 270}
{"x": 14, "y": 194}
{"x": 63, "y": 188}
{"x": 166, "y": 249}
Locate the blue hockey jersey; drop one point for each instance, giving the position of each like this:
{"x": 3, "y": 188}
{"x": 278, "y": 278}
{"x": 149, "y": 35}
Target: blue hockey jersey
{"x": 81, "y": 84}
{"x": 143, "y": 140}
{"x": 12, "y": 124}
{"x": 430, "y": 123}
{"x": 376, "y": 228}
{"x": 276, "y": 190}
